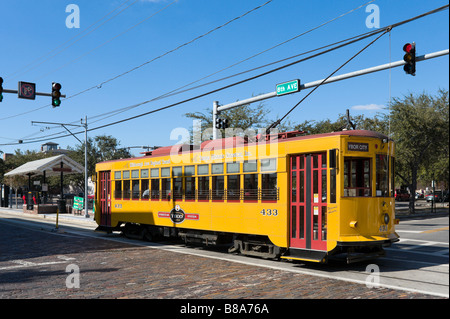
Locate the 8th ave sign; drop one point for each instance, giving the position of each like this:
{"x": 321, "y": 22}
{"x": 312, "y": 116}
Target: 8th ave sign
{"x": 288, "y": 87}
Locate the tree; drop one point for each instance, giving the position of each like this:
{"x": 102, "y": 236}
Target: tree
{"x": 100, "y": 148}
{"x": 420, "y": 128}
{"x": 244, "y": 117}
{"x": 377, "y": 123}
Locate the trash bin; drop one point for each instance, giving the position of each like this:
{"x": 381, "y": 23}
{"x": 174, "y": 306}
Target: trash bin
{"x": 30, "y": 202}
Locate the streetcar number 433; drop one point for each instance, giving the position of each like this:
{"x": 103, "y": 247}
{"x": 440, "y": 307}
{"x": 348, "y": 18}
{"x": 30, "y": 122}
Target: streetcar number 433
{"x": 269, "y": 212}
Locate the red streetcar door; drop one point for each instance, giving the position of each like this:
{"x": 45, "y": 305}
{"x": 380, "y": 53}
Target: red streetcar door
{"x": 308, "y": 201}
{"x": 105, "y": 198}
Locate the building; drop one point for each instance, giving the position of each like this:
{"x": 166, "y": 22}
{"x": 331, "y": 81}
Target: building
{"x": 51, "y": 147}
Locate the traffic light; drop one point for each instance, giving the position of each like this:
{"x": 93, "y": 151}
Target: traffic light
{"x": 410, "y": 58}
{"x": 222, "y": 123}
{"x": 56, "y": 94}
{"x": 1, "y": 89}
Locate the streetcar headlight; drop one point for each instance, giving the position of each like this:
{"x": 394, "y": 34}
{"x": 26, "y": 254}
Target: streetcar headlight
{"x": 386, "y": 218}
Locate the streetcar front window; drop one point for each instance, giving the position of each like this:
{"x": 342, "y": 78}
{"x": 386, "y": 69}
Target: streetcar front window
{"x": 382, "y": 175}
{"x": 357, "y": 177}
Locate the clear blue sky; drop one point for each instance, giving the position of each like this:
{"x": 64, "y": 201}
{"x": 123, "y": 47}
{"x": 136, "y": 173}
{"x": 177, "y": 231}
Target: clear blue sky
{"x": 37, "y": 29}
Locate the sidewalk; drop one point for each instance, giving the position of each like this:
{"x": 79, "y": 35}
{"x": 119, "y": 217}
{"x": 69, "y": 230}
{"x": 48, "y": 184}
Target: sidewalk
{"x": 422, "y": 210}
{"x": 68, "y": 217}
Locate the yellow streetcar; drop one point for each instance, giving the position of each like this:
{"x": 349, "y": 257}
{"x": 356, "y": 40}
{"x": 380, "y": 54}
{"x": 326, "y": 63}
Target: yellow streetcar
{"x": 286, "y": 195}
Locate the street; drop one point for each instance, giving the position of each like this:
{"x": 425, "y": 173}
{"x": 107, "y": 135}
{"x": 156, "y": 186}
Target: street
{"x": 37, "y": 262}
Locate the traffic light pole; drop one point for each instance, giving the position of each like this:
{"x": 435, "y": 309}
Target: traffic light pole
{"x": 217, "y": 109}
{"x": 37, "y": 93}
{"x": 85, "y": 125}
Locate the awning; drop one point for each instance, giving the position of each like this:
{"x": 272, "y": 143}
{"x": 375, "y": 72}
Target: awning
{"x": 51, "y": 166}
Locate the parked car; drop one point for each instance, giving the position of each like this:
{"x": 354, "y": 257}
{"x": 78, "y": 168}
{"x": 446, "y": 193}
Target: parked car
{"x": 437, "y": 197}
{"x": 401, "y": 195}
{"x": 420, "y": 196}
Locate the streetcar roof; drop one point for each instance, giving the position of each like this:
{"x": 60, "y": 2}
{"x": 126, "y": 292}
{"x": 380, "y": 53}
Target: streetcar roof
{"x": 236, "y": 141}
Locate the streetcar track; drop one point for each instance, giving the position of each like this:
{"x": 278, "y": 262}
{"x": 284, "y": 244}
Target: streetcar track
{"x": 341, "y": 273}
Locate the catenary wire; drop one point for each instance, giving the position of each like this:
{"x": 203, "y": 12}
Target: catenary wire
{"x": 49, "y": 55}
{"x": 384, "y": 29}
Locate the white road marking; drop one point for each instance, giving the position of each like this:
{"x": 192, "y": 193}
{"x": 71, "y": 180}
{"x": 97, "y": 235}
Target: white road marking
{"x": 23, "y": 264}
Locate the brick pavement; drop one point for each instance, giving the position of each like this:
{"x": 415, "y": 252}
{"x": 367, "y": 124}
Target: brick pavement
{"x": 34, "y": 266}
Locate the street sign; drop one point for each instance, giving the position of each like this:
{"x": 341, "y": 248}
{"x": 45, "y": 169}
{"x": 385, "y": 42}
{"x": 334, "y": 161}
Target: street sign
{"x": 78, "y": 203}
{"x": 288, "y": 87}
{"x": 27, "y": 90}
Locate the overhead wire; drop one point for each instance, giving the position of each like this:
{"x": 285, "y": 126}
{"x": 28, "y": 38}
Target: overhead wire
{"x": 51, "y": 54}
{"x": 384, "y": 30}
{"x": 108, "y": 41}
{"x": 147, "y": 62}
{"x": 179, "y": 89}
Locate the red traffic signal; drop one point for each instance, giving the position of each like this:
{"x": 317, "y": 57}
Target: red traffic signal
{"x": 410, "y": 58}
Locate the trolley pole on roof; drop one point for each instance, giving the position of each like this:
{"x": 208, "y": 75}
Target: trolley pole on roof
{"x": 217, "y": 109}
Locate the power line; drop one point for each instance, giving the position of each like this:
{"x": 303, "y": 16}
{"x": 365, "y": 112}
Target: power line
{"x": 106, "y": 42}
{"x": 277, "y": 122}
{"x": 354, "y": 39}
{"x": 49, "y": 55}
{"x": 147, "y": 62}
{"x": 384, "y": 29}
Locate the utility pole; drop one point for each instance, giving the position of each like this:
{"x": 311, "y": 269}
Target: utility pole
{"x": 217, "y": 109}
{"x": 85, "y": 126}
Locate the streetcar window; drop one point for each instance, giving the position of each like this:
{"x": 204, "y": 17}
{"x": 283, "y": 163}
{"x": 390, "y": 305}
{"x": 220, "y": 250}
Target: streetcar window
{"x": 357, "y": 177}
{"x": 165, "y": 188}
{"x": 268, "y": 165}
{"x": 135, "y": 173}
{"x": 392, "y": 176}
{"x": 126, "y": 174}
{"x": 155, "y": 189}
{"x": 217, "y": 191}
{"x": 251, "y": 187}
{"x": 203, "y": 169}
{"x": 233, "y": 168}
{"x": 382, "y": 175}
{"x": 144, "y": 189}
{"x": 333, "y": 185}
{"x": 177, "y": 188}
{"x": 135, "y": 189}
{"x": 189, "y": 170}
{"x": 190, "y": 187}
{"x": 233, "y": 187}
{"x": 165, "y": 172}
{"x": 250, "y": 166}
{"x": 118, "y": 190}
{"x": 154, "y": 172}
{"x": 144, "y": 173}
{"x": 176, "y": 171}
{"x": 269, "y": 190}
{"x": 203, "y": 187}
{"x": 126, "y": 189}
{"x": 118, "y": 175}
{"x": 217, "y": 168}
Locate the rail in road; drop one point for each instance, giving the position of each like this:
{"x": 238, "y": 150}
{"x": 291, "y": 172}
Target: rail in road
{"x": 417, "y": 264}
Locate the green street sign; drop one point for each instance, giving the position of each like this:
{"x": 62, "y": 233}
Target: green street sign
{"x": 78, "y": 203}
{"x": 288, "y": 87}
